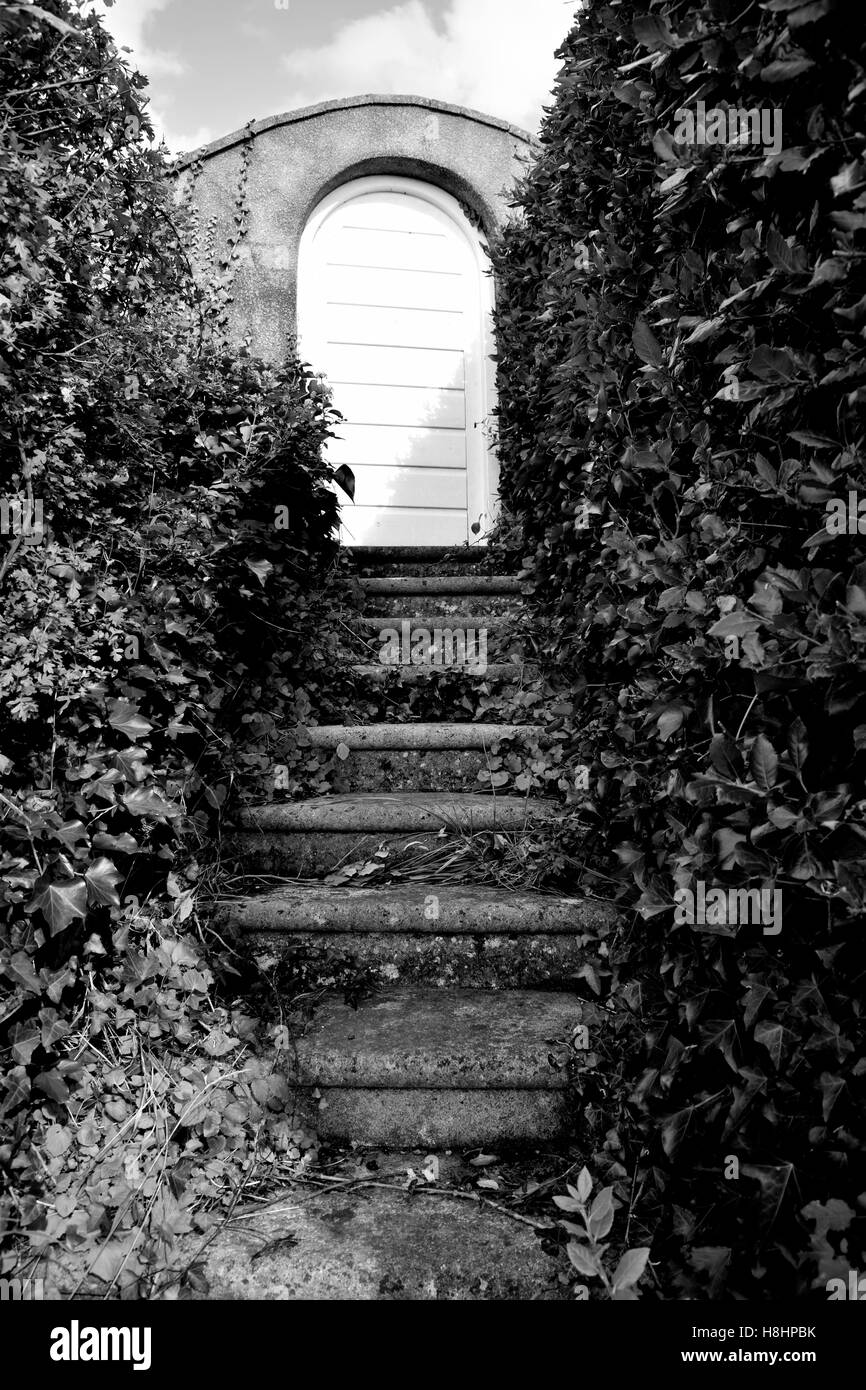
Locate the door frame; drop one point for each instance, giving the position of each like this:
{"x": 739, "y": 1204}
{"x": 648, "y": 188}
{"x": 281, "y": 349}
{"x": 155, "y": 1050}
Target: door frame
{"x": 482, "y": 465}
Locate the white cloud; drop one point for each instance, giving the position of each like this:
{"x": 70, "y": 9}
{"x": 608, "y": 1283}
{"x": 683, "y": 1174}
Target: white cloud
{"x": 126, "y": 21}
{"x": 129, "y": 23}
{"x": 493, "y": 55}
{"x": 179, "y": 141}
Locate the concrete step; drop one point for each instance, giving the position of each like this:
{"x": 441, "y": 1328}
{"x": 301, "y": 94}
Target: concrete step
{"x": 440, "y": 962}
{"x": 448, "y": 1068}
{"x": 416, "y": 586}
{"x": 374, "y": 561}
{"x": 417, "y": 908}
{"x": 445, "y": 604}
{"x": 498, "y": 623}
{"x": 418, "y": 736}
{"x": 494, "y": 673}
{"x": 427, "y": 934}
{"x": 404, "y": 770}
{"x": 363, "y": 1244}
{"x": 444, "y": 638}
{"x": 309, "y": 838}
{"x": 401, "y": 812}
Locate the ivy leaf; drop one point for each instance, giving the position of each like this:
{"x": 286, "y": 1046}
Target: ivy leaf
{"x": 261, "y": 569}
{"x": 774, "y": 1181}
{"x": 102, "y": 878}
{"x": 831, "y": 1088}
{"x": 51, "y": 1084}
{"x": 116, "y": 1262}
{"x": 772, "y": 1037}
{"x": 61, "y": 903}
{"x": 17, "y": 1084}
{"x": 752, "y": 1001}
{"x": 25, "y": 1038}
{"x": 145, "y": 801}
{"x": 674, "y": 1130}
{"x": 218, "y": 1043}
{"x": 127, "y": 719}
{"x": 71, "y": 833}
{"x": 122, "y": 844}
{"x": 20, "y": 968}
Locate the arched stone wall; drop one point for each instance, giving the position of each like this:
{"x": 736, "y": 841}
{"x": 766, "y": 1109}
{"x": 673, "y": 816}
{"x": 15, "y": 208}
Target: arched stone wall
{"x": 297, "y": 159}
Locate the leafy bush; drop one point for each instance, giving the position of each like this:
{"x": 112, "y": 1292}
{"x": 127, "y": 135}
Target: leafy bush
{"x": 682, "y": 380}
{"x": 165, "y": 618}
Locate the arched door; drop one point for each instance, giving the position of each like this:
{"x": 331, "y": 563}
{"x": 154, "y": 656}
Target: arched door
{"x": 394, "y": 308}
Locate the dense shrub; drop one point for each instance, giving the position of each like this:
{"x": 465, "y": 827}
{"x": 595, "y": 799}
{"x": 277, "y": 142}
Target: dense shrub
{"x": 164, "y": 624}
{"x": 682, "y": 383}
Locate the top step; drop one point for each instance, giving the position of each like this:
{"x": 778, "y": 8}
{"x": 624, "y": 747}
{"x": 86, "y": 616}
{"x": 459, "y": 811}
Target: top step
{"x": 419, "y": 559}
{"x": 412, "y": 585}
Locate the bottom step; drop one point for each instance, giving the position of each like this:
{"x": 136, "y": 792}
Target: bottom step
{"x": 372, "y": 1245}
{"x": 440, "y": 1119}
{"x": 444, "y": 1067}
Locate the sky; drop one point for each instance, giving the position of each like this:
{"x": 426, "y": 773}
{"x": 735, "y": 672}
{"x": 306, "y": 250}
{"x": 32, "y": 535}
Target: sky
{"x": 215, "y": 64}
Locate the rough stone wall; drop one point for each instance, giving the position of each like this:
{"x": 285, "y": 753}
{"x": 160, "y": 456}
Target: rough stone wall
{"x": 296, "y": 159}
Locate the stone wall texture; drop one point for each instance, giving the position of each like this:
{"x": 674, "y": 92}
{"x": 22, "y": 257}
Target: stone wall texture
{"x": 297, "y": 159}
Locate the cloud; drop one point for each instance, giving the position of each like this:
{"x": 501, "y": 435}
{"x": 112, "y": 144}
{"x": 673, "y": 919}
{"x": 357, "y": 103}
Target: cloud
{"x": 129, "y": 22}
{"x": 126, "y": 21}
{"x": 493, "y": 55}
{"x": 178, "y": 141}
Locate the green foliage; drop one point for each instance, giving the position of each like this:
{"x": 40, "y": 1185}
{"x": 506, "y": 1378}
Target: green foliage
{"x": 682, "y": 379}
{"x": 163, "y": 626}
{"x": 169, "y": 1106}
{"x": 586, "y": 1249}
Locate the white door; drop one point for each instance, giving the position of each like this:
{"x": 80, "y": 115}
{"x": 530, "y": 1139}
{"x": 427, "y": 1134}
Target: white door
{"x": 394, "y": 309}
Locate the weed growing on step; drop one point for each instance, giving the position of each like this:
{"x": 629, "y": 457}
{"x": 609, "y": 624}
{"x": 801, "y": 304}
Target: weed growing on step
{"x": 587, "y": 1250}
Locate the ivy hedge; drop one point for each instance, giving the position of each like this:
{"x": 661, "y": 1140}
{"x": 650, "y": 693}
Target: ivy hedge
{"x": 167, "y": 523}
{"x": 682, "y": 370}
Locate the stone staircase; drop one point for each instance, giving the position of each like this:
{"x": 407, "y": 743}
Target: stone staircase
{"x": 454, "y": 1050}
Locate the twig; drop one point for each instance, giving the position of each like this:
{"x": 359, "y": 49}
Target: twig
{"x": 341, "y": 1185}
{"x": 745, "y": 717}
{"x": 10, "y": 556}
